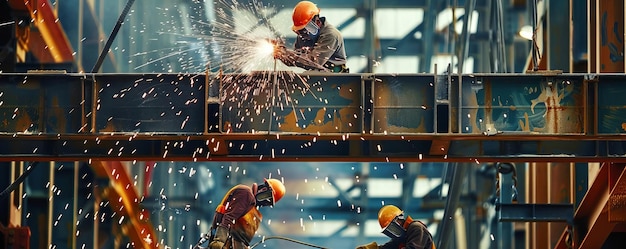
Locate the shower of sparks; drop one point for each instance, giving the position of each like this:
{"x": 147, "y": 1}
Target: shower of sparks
{"x": 238, "y": 41}
{"x": 6, "y": 23}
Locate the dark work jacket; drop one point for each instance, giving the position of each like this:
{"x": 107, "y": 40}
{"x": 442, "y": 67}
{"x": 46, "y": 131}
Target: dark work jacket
{"x": 327, "y": 48}
{"x": 417, "y": 237}
{"x": 238, "y": 213}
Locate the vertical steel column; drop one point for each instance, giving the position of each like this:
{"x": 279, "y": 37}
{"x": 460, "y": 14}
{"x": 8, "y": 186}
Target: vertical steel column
{"x": 459, "y": 171}
{"x": 50, "y": 203}
{"x": 593, "y": 65}
{"x": 558, "y": 35}
{"x": 97, "y": 192}
{"x": 430, "y": 17}
{"x": 606, "y": 39}
{"x": 79, "y": 38}
{"x": 579, "y": 36}
{"x": 611, "y": 44}
{"x": 581, "y": 182}
{"x": 470, "y": 5}
{"x": 370, "y": 34}
{"x": 536, "y": 186}
{"x": 559, "y": 190}
{"x": 504, "y": 237}
{"x": 75, "y": 205}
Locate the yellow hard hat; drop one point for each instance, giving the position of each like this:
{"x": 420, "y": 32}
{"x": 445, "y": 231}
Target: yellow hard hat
{"x": 386, "y": 214}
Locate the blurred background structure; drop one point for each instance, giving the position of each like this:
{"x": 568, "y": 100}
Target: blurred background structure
{"x": 498, "y": 123}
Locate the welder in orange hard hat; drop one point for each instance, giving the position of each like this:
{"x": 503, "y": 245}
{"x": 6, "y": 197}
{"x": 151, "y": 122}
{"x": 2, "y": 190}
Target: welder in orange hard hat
{"x": 319, "y": 45}
{"x": 237, "y": 217}
{"x": 403, "y": 231}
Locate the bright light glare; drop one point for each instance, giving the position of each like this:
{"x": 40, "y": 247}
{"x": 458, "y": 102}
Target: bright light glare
{"x": 265, "y": 48}
{"x": 526, "y": 32}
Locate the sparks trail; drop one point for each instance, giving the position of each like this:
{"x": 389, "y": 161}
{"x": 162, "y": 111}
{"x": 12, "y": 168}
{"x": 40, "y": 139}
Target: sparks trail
{"x": 237, "y": 42}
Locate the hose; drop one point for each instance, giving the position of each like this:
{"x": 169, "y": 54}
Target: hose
{"x": 287, "y": 239}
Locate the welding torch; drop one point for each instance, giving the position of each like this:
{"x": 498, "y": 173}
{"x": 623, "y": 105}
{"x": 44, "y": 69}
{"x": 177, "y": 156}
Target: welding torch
{"x": 293, "y": 58}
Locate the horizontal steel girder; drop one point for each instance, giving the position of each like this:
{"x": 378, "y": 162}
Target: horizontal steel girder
{"x": 535, "y": 212}
{"x": 313, "y": 117}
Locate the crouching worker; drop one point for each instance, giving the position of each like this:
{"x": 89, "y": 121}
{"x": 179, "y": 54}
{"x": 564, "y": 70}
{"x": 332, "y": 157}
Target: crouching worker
{"x": 403, "y": 230}
{"x": 237, "y": 217}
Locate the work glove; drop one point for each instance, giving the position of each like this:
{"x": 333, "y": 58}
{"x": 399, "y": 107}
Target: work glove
{"x": 283, "y": 54}
{"x": 372, "y": 245}
{"x": 203, "y": 239}
{"x": 221, "y": 235}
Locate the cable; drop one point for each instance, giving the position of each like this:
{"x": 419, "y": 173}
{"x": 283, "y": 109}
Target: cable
{"x": 116, "y": 29}
{"x": 287, "y": 239}
{"x": 18, "y": 181}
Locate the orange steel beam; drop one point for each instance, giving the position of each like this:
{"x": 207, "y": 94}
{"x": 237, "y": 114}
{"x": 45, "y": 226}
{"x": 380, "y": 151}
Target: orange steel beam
{"x": 592, "y": 222}
{"x": 125, "y": 200}
{"x": 46, "y": 21}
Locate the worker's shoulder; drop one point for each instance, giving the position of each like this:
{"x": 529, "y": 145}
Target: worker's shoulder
{"x": 242, "y": 187}
{"x": 418, "y": 225}
{"x": 329, "y": 28}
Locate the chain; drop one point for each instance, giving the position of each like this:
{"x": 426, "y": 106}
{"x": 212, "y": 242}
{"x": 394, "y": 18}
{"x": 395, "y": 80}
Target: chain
{"x": 506, "y": 168}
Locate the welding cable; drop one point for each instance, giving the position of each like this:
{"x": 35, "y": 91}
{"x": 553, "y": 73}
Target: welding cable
{"x": 287, "y": 239}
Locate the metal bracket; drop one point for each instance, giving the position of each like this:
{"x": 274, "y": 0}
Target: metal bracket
{"x": 368, "y": 76}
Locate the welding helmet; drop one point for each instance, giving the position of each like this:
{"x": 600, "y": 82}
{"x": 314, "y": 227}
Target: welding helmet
{"x": 303, "y": 19}
{"x": 270, "y": 192}
{"x": 391, "y": 220}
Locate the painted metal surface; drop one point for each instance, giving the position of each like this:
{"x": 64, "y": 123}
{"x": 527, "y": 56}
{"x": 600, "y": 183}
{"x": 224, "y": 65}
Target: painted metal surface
{"x": 535, "y": 212}
{"x": 530, "y": 104}
{"x": 611, "y": 27}
{"x": 592, "y": 219}
{"x": 55, "y": 47}
{"x": 123, "y": 197}
{"x": 291, "y": 103}
{"x": 284, "y": 116}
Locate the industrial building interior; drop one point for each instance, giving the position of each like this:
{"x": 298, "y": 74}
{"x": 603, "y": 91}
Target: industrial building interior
{"x": 484, "y": 119}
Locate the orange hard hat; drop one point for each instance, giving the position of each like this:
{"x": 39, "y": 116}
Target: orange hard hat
{"x": 386, "y": 214}
{"x": 303, "y": 13}
{"x": 278, "y": 189}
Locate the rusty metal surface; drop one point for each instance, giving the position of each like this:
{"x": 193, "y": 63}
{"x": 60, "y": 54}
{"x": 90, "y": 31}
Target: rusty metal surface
{"x": 312, "y": 117}
{"x": 533, "y": 104}
{"x": 611, "y": 39}
{"x": 616, "y": 204}
{"x": 55, "y": 47}
{"x": 123, "y": 197}
{"x": 287, "y": 102}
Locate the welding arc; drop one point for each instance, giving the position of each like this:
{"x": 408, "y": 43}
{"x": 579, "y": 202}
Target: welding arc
{"x": 287, "y": 239}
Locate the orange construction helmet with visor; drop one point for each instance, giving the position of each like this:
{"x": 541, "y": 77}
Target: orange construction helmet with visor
{"x": 270, "y": 192}
{"x": 391, "y": 219}
{"x": 303, "y": 13}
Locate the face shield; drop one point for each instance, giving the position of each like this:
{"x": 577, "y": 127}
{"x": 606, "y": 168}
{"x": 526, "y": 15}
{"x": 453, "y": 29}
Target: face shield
{"x": 264, "y": 195}
{"x": 310, "y": 30}
{"x": 395, "y": 230}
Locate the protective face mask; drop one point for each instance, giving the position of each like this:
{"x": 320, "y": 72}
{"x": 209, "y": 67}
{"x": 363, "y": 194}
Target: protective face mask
{"x": 395, "y": 230}
{"x": 310, "y": 31}
{"x": 264, "y": 196}
{"x": 312, "y": 27}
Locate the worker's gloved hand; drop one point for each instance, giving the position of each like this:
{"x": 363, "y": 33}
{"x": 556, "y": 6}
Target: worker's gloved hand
{"x": 216, "y": 244}
{"x": 285, "y": 55}
{"x": 201, "y": 243}
{"x": 372, "y": 245}
{"x": 221, "y": 235}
